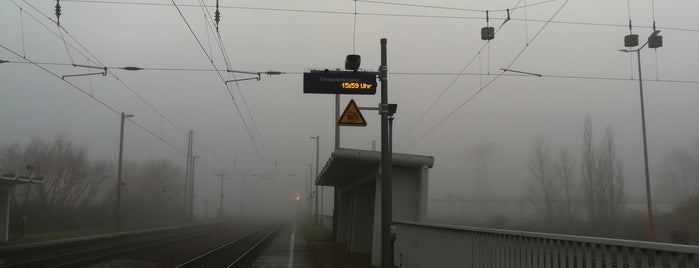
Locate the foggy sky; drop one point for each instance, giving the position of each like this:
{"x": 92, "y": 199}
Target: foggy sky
{"x": 510, "y": 113}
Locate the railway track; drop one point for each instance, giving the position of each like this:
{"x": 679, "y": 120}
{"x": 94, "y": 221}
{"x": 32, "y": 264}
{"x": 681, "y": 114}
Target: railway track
{"x": 186, "y": 247}
{"x": 238, "y": 253}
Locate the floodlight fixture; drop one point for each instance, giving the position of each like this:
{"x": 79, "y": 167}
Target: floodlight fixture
{"x": 487, "y": 33}
{"x": 631, "y": 40}
{"x": 655, "y": 40}
{"x": 352, "y": 62}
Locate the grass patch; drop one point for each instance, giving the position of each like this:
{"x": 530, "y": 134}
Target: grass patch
{"x": 315, "y": 233}
{"x": 325, "y": 253}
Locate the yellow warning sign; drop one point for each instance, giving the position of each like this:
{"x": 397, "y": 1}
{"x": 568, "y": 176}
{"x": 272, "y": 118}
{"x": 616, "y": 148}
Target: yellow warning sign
{"x": 352, "y": 116}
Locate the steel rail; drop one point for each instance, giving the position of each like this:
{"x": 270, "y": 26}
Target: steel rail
{"x": 212, "y": 254}
{"x": 131, "y": 241}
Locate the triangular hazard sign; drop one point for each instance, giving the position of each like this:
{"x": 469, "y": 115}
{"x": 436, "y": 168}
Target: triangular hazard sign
{"x": 352, "y": 116}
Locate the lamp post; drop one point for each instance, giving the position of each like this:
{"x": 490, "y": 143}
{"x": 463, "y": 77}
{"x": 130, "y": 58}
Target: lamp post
{"x": 117, "y": 209}
{"x": 309, "y": 187}
{"x": 655, "y": 41}
{"x": 317, "y": 138}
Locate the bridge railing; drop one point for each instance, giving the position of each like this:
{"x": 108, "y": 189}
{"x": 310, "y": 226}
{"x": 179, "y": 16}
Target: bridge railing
{"x": 434, "y": 245}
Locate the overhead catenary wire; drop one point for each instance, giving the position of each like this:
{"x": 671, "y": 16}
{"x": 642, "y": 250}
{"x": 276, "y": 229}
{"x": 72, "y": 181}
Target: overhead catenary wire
{"x": 628, "y": 8}
{"x": 354, "y": 28}
{"x": 128, "y": 87}
{"x": 526, "y": 25}
{"x": 70, "y": 56}
{"x": 491, "y": 81}
{"x": 333, "y": 12}
{"x": 401, "y": 73}
{"x": 206, "y": 21}
{"x": 655, "y": 51}
{"x": 228, "y": 89}
{"x": 226, "y": 58}
{"x": 456, "y": 77}
{"x": 451, "y": 8}
{"x": 102, "y": 64}
{"x": 224, "y": 55}
{"x": 21, "y": 22}
{"x": 194, "y": 34}
{"x": 104, "y": 104}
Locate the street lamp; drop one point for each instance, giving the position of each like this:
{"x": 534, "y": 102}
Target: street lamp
{"x": 309, "y": 189}
{"x": 117, "y": 209}
{"x": 317, "y": 138}
{"x": 654, "y": 41}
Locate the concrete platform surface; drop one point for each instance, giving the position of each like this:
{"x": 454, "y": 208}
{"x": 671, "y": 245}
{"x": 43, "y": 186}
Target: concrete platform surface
{"x": 287, "y": 250}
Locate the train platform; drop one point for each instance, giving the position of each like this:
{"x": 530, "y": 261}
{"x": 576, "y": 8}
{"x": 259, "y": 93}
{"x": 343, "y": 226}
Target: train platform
{"x": 287, "y": 250}
{"x": 312, "y": 247}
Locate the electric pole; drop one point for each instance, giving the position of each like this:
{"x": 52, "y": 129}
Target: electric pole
{"x": 220, "y": 206}
{"x": 189, "y": 178}
{"x": 386, "y": 164}
{"x": 117, "y": 209}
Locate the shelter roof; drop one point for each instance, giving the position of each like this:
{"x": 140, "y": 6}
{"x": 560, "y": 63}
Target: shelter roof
{"x": 346, "y": 165}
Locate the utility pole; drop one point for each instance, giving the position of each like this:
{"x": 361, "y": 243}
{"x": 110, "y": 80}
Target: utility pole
{"x": 317, "y": 217}
{"x": 191, "y": 186}
{"x": 242, "y": 194}
{"x": 188, "y": 178}
{"x": 337, "y": 116}
{"x": 309, "y": 187}
{"x": 654, "y": 41}
{"x": 117, "y": 209}
{"x": 220, "y": 206}
{"x": 206, "y": 208}
{"x": 386, "y": 164}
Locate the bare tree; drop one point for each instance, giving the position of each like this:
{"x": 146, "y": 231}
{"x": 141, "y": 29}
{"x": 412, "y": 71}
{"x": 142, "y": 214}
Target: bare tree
{"x": 72, "y": 183}
{"x": 609, "y": 180}
{"x": 602, "y": 178}
{"x": 588, "y": 168}
{"x": 564, "y": 169}
{"x": 153, "y": 192}
{"x": 71, "y": 180}
{"x": 679, "y": 174}
{"x": 544, "y": 190}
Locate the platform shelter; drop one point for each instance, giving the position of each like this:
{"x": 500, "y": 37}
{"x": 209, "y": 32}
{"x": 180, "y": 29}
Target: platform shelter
{"x": 355, "y": 175}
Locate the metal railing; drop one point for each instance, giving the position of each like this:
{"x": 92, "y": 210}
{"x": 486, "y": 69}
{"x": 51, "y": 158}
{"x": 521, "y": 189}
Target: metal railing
{"x": 433, "y": 245}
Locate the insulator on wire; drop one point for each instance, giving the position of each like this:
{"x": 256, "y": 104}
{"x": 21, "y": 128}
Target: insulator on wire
{"x": 217, "y": 16}
{"x": 630, "y": 28}
{"x": 655, "y": 40}
{"x": 58, "y": 12}
{"x": 631, "y": 40}
{"x": 487, "y": 33}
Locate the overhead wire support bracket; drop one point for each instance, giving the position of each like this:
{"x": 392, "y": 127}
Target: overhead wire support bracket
{"x": 520, "y": 72}
{"x": 74, "y": 75}
{"x": 258, "y": 74}
{"x": 242, "y": 72}
{"x": 245, "y": 79}
{"x": 90, "y": 66}
{"x": 506, "y": 19}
